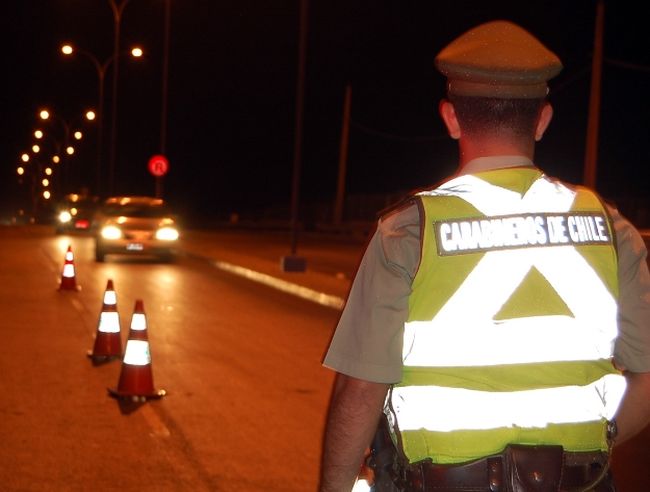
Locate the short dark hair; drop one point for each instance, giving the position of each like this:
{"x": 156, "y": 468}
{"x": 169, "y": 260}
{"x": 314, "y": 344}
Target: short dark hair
{"x": 491, "y": 115}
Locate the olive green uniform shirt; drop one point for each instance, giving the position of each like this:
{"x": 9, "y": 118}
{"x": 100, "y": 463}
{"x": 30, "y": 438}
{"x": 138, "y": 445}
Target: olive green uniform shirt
{"x": 367, "y": 343}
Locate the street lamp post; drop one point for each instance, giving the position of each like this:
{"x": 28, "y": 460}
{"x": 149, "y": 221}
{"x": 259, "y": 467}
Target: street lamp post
{"x": 101, "y": 69}
{"x": 292, "y": 262}
{"x": 165, "y": 79}
{"x": 118, "y": 9}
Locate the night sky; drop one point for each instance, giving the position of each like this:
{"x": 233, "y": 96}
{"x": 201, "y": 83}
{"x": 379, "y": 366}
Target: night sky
{"x": 232, "y": 90}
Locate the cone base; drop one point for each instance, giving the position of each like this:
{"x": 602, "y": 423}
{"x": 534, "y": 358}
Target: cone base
{"x": 128, "y": 396}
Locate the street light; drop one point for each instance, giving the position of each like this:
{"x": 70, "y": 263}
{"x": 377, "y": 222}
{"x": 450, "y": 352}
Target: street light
{"x": 45, "y": 115}
{"x": 43, "y": 137}
{"x": 38, "y": 176}
{"x": 101, "y": 69}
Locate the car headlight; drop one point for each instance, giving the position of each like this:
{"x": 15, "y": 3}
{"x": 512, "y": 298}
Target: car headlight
{"x": 111, "y": 232}
{"x": 167, "y": 234}
{"x": 65, "y": 216}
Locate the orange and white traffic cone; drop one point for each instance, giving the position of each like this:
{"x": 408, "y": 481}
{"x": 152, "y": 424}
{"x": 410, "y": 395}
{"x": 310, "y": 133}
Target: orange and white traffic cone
{"x": 108, "y": 339}
{"x": 136, "y": 375}
{"x": 68, "y": 276}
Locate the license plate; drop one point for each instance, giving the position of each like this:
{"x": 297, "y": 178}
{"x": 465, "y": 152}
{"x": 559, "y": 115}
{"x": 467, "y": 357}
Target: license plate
{"x": 134, "y": 247}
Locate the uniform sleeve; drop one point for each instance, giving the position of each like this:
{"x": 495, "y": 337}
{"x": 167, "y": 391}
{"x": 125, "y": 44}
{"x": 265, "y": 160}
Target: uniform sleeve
{"x": 367, "y": 343}
{"x": 632, "y": 350}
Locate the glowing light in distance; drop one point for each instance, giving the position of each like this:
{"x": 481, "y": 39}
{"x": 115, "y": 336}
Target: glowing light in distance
{"x": 167, "y": 234}
{"x": 65, "y": 216}
{"x": 111, "y": 232}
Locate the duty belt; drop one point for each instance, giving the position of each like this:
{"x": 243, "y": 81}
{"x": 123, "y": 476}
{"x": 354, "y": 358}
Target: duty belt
{"x": 518, "y": 469}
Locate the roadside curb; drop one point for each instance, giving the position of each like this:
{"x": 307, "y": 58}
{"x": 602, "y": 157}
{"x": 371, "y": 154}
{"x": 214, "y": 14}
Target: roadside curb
{"x": 295, "y": 289}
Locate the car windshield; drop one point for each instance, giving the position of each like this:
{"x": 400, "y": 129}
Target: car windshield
{"x": 136, "y": 210}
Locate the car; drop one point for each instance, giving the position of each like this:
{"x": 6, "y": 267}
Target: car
{"x": 75, "y": 213}
{"x": 135, "y": 225}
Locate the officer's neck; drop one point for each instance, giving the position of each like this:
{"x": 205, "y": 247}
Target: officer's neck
{"x": 474, "y": 148}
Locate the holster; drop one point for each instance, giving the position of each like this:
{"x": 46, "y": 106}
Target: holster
{"x": 532, "y": 468}
{"x": 384, "y": 460}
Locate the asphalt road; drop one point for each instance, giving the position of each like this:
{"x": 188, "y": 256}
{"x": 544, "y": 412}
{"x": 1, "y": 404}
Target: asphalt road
{"x": 240, "y": 361}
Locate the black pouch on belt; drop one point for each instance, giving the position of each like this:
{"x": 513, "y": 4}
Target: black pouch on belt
{"x": 533, "y": 468}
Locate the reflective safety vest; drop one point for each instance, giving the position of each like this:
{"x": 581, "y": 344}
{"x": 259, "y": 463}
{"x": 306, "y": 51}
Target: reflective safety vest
{"x": 512, "y": 321}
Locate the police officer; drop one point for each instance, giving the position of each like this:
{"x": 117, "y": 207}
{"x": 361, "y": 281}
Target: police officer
{"x": 499, "y": 323}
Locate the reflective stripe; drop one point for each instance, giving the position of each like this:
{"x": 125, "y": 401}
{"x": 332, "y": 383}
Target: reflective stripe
{"x": 514, "y": 341}
{"x": 137, "y": 353}
{"x": 110, "y": 298}
{"x": 481, "y": 194}
{"x": 138, "y": 322}
{"x": 467, "y": 409}
{"x": 68, "y": 270}
{"x": 109, "y": 322}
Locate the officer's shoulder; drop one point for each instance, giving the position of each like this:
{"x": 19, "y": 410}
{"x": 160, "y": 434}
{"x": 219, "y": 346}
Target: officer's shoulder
{"x": 404, "y": 213}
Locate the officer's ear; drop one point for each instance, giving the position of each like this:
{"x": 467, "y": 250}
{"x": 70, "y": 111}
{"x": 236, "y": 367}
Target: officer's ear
{"x": 448, "y": 115}
{"x": 545, "y": 117}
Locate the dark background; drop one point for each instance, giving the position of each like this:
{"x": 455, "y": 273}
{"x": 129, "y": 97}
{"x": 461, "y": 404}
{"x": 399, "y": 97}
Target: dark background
{"x": 232, "y": 90}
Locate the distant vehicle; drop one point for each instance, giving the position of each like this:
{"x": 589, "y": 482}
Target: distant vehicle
{"x": 75, "y": 213}
{"x": 135, "y": 225}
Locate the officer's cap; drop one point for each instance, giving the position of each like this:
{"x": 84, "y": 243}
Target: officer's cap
{"x": 498, "y": 59}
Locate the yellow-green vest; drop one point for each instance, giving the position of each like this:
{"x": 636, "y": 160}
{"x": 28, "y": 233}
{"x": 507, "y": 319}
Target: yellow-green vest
{"x": 512, "y": 320}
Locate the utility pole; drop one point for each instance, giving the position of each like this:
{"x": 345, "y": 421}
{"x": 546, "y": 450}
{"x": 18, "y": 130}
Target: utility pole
{"x": 164, "y": 91}
{"x": 343, "y": 158}
{"x": 117, "y": 19}
{"x": 293, "y": 263}
{"x": 591, "y": 151}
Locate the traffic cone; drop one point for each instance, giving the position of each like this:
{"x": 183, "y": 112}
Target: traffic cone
{"x": 136, "y": 375}
{"x": 108, "y": 340}
{"x": 68, "y": 276}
